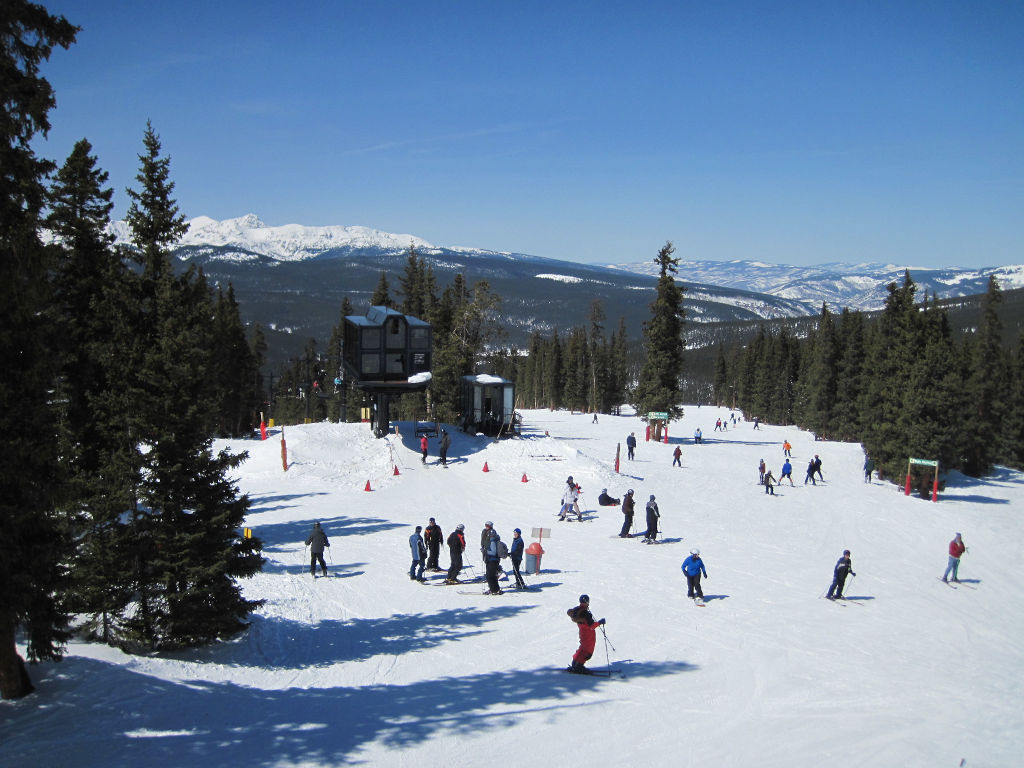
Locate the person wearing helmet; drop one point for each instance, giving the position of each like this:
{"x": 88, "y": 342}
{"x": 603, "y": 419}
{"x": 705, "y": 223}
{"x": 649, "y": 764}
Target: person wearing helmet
{"x": 653, "y": 515}
{"x": 584, "y": 619}
{"x": 456, "y": 546}
{"x": 569, "y": 498}
{"x": 627, "y": 514}
{"x": 605, "y": 500}
{"x": 692, "y": 568}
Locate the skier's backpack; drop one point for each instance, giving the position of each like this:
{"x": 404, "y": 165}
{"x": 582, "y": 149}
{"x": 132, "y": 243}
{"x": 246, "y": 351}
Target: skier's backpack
{"x": 502, "y": 550}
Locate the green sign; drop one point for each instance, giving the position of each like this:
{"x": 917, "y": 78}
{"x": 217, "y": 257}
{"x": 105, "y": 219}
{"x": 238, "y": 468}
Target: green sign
{"x": 657, "y": 416}
{"x": 925, "y": 462}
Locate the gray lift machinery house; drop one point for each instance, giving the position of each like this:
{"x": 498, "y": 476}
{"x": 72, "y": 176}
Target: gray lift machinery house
{"x": 387, "y": 354}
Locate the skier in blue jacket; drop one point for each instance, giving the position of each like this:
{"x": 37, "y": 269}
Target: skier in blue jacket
{"x": 693, "y": 567}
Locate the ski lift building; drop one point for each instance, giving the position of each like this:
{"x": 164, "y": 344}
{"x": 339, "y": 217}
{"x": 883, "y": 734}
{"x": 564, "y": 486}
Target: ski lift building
{"x": 387, "y": 354}
{"x": 487, "y": 404}
{"x": 386, "y": 346}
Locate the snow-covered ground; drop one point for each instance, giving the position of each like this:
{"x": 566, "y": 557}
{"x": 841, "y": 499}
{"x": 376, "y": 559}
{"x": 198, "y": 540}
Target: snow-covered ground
{"x": 368, "y": 667}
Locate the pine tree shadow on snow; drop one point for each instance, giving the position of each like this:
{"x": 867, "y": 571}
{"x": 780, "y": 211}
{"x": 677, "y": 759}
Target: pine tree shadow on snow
{"x": 277, "y": 643}
{"x": 274, "y": 503}
{"x": 226, "y": 723}
{"x": 280, "y": 537}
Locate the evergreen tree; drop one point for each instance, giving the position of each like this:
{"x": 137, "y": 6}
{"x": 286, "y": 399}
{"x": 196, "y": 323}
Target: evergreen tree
{"x": 381, "y": 296}
{"x": 720, "y": 387}
{"x": 816, "y": 391}
{"x": 235, "y": 371}
{"x": 92, "y": 287}
{"x": 618, "y": 366}
{"x": 986, "y": 383}
{"x": 1013, "y": 424}
{"x": 411, "y": 286}
{"x": 928, "y": 422}
{"x": 33, "y": 545}
{"x": 597, "y": 356}
{"x": 576, "y": 370}
{"x": 659, "y": 385}
{"x": 848, "y": 424}
{"x": 554, "y": 383}
{"x": 186, "y": 525}
{"x": 890, "y": 352}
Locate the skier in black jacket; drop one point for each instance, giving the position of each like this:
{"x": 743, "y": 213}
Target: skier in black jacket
{"x": 456, "y": 546}
{"x": 627, "y": 512}
{"x": 653, "y": 515}
{"x": 316, "y": 541}
{"x": 434, "y": 538}
{"x": 843, "y": 567}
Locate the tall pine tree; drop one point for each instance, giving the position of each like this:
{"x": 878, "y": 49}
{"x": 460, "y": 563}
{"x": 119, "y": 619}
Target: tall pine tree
{"x": 33, "y": 546}
{"x": 189, "y": 551}
{"x": 659, "y": 385}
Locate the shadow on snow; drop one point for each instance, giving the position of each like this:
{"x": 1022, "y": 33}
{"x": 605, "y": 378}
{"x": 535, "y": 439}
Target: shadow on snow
{"x": 199, "y": 720}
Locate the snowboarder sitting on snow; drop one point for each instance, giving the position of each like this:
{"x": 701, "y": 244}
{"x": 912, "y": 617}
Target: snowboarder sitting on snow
{"x": 627, "y": 511}
{"x": 652, "y": 521}
{"x": 316, "y": 541}
{"x": 844, "y": 566}
{"x": 956, "y": 549}
{"x": 693, "y": 567}
{"x": 605, "y": 500}
{"x": 584, "y": 619}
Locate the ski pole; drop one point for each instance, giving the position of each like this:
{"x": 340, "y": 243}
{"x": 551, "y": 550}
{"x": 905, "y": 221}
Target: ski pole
{"x": 607, "y": 644}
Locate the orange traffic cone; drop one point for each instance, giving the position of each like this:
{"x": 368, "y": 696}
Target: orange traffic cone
{"x": 367, "y": 488}
{"x": 524, "y": 480}
{"x": 485, "y": 467}
{"x": 396, "y": 470}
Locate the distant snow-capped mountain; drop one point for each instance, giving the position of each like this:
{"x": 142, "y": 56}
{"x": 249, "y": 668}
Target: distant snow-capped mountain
{"x": 763, "y": 290}
{"x": 857, "y": 286}
{"x": 249, "y": 236}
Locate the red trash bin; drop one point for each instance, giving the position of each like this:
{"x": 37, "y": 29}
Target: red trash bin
{"x": 534, "y": 552}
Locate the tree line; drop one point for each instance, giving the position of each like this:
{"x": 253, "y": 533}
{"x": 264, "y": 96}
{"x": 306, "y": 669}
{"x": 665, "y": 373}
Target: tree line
{"x": 901, "y": 383}
{"x": 117, "y": 375}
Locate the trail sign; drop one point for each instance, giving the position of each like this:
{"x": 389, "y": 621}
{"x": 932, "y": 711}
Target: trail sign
{"x": 658, "y": 416}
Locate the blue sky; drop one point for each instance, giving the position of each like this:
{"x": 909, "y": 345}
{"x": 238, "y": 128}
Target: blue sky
{"x": 795, "y": 133}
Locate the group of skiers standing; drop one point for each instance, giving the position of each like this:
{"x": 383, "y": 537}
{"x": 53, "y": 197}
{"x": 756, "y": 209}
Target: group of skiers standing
{"x": 629, "y": 509}
{"x": 444, "y": 444}
{"x": 425, "y": 548}
{"x": 768, "y": 480}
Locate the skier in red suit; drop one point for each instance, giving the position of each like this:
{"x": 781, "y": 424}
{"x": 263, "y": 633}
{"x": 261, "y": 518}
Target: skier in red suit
{"x": 588, "y": 634}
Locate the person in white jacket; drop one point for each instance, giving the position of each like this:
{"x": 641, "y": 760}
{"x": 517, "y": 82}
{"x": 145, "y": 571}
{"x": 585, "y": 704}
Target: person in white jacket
{"x": 570, "y": 497}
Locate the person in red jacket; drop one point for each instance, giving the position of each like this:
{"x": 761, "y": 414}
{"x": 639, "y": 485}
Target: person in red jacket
{"x": 956, "y": 549}
{"x": 423, "y": 448}
{"x": 588, "y": 634}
